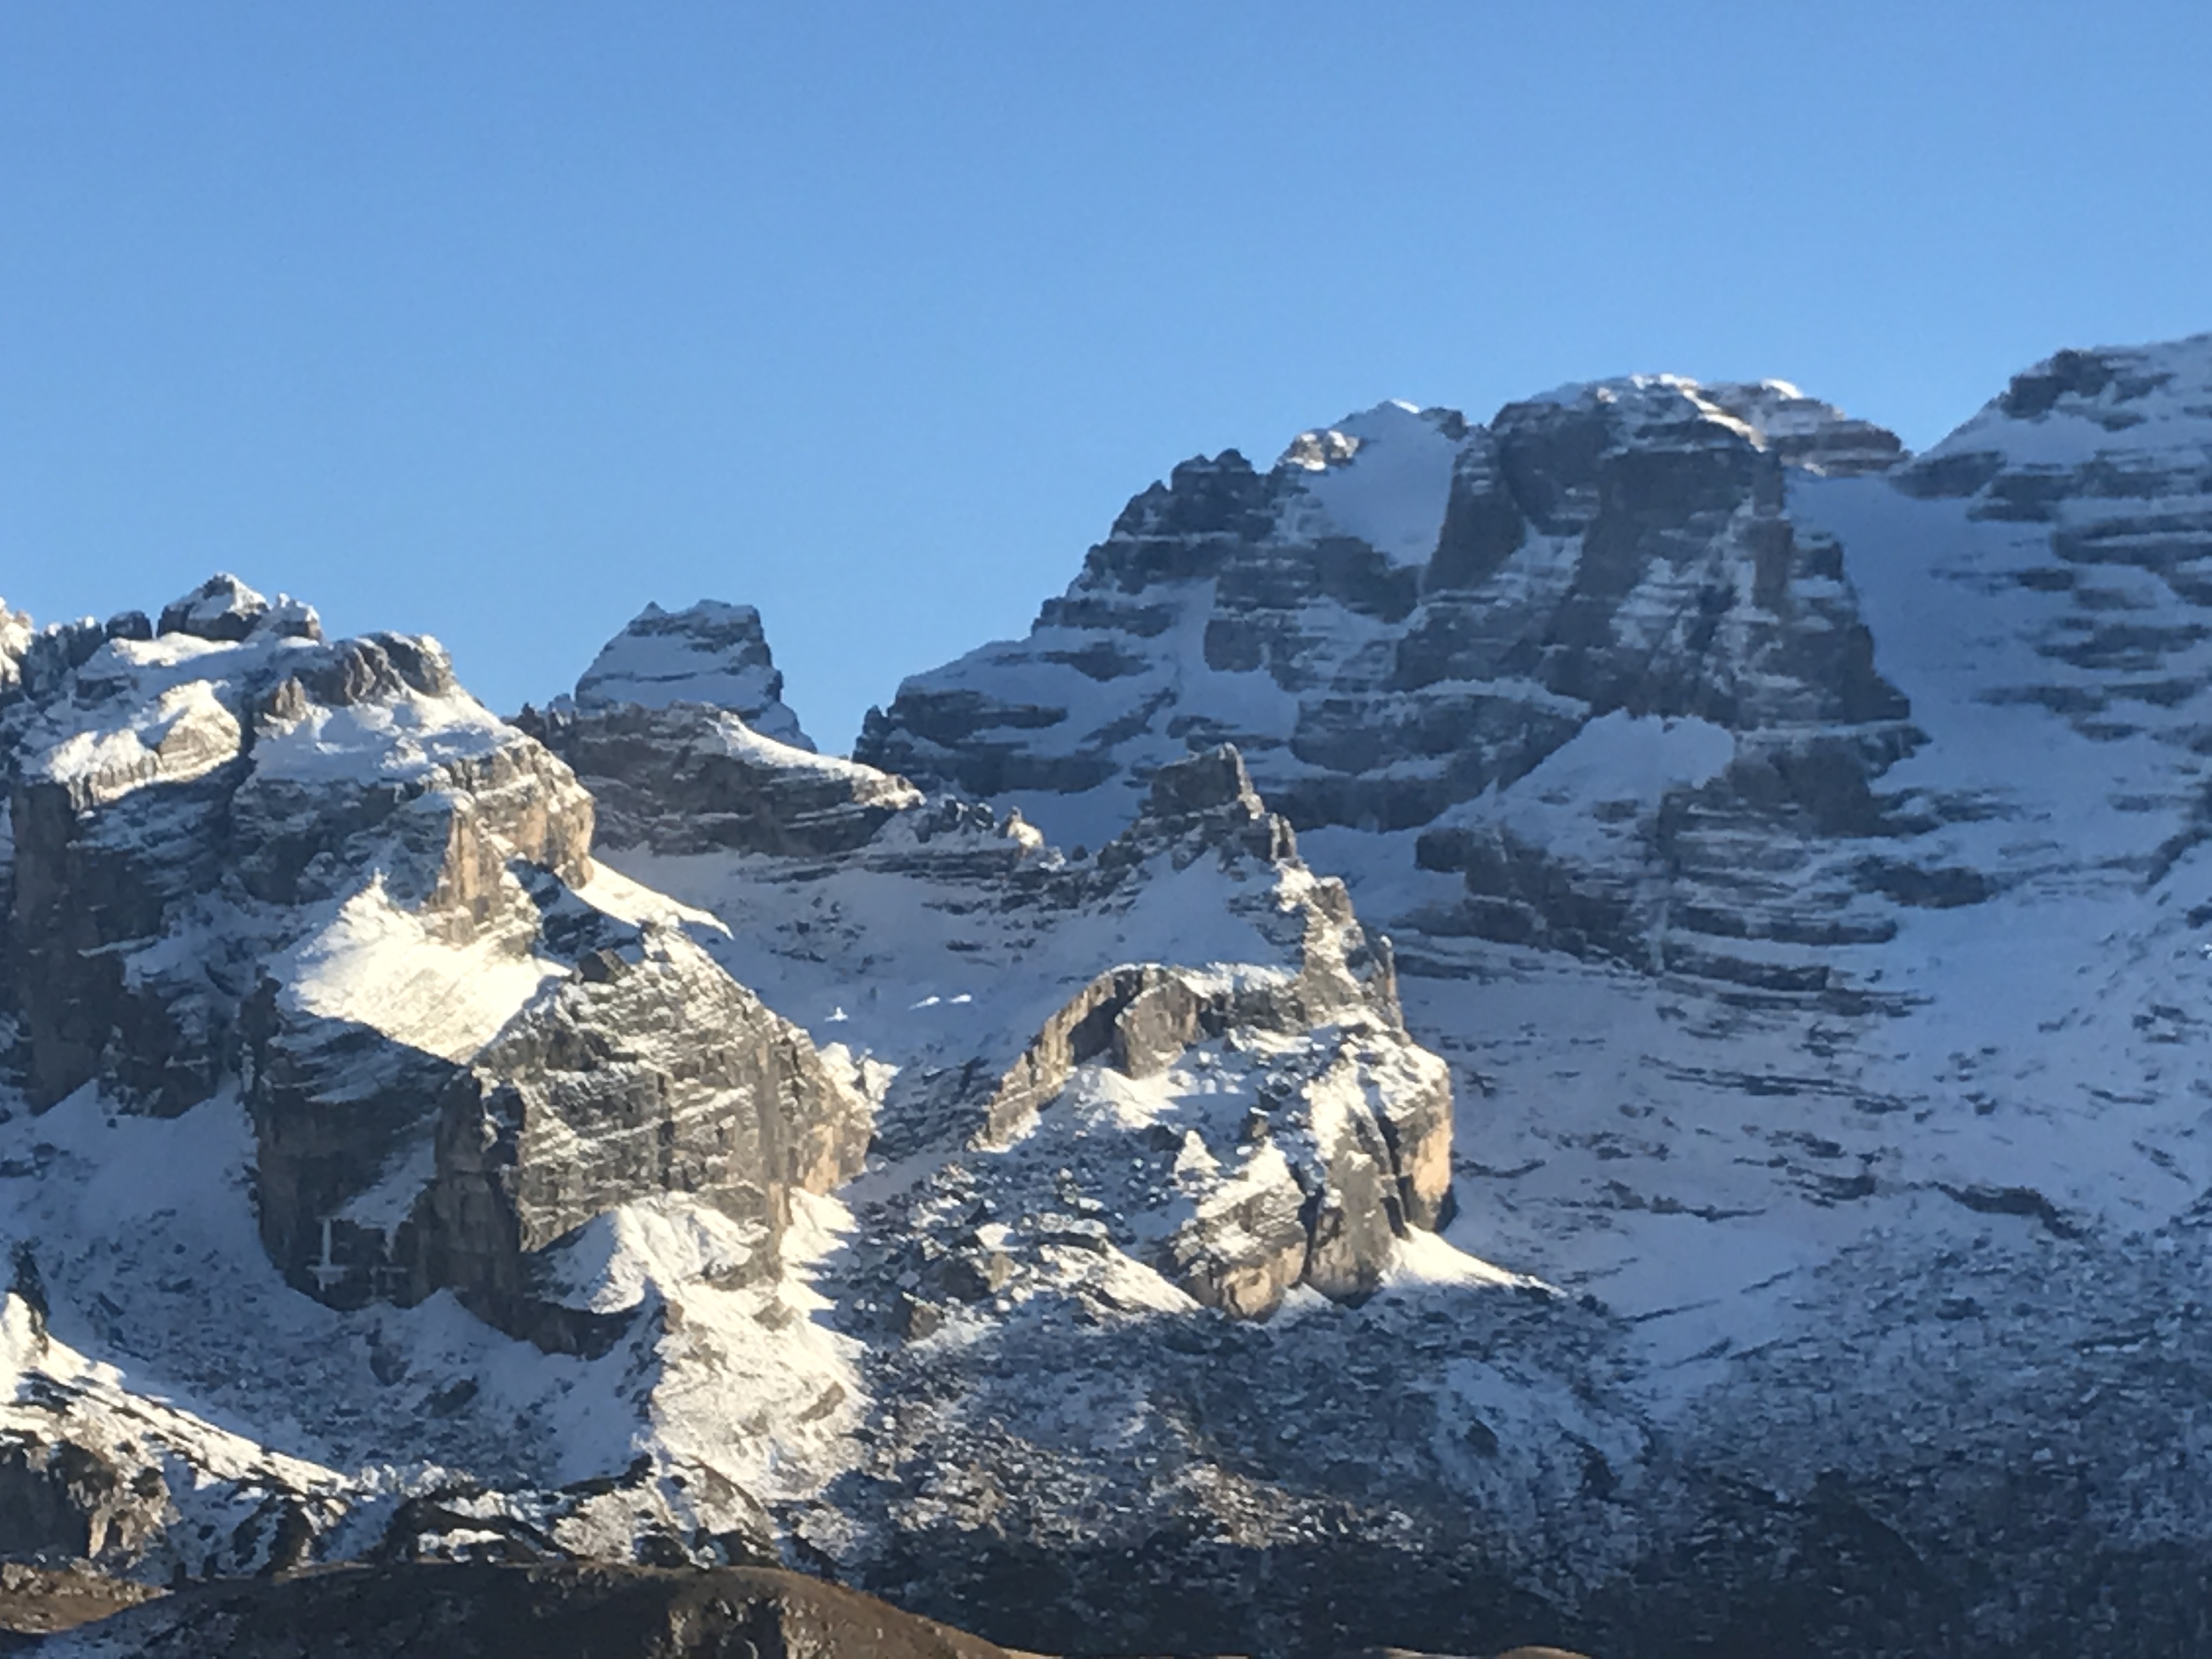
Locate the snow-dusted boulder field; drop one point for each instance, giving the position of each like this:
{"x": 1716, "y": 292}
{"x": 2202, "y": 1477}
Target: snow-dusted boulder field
{"x": 1587, "y": 1028}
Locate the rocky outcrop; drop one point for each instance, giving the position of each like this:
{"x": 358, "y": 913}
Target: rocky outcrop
{"x": 39, "y": 1601}
{"x": 712, "y": 654}
{"x": 1806, "y": 434}
{"x": 1804, "y": 853}
{"x": 1349, "y": 1141}
{"x": 60, "y": 1499}
{"x": 161, "y": 790}
{"x": 321, "y": 873}
{"x": 2098, "y": 459}
{"x": 686, "y": 778}
{"x": 647, "y": 1072}
{"x": 1409, "y": 608}
{"x": 679, "y": 732}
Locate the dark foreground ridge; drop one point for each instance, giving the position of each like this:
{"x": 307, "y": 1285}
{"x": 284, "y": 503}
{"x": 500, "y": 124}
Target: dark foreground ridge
{"x": 484, "y": 1610}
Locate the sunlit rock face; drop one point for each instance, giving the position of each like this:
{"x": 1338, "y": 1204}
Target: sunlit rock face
{"x": 318, "y": 878}
{"x": 1797, "y": 849}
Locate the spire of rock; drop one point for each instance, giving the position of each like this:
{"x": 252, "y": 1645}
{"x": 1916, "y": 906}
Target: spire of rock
{"x": 711, "y": 653}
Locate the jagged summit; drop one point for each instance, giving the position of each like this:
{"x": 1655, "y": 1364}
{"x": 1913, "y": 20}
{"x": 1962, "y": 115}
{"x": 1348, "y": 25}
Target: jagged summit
{"x": 679, "y": 730}
{"x": 333, "y": 1035}
{"x": 307, "y": 969}
{"x": 1409, "y": 608}
{"x": 224, "y": 609}
{"x": 2115, "y": 404}
{"x": 711, "y": 653}
{"x": 1802, "y": 432}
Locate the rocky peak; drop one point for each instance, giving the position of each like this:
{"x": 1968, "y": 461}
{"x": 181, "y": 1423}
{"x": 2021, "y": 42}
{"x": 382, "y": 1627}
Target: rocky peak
{"x": 1807, "y": 433}
{"x": 710, "y": 654}
{"x": 318, "y": 879}
{"x": 174, "y": 798}
{"x": 1203, "y": 801}
{"x": 15, "y": 635}
{"x": 646, "y": 1074}
{"x": 678, "y": 730}
{"x": 2110, "y": 424}
{"x": 225, "y": 609}
{"x": 1409, "y": 610}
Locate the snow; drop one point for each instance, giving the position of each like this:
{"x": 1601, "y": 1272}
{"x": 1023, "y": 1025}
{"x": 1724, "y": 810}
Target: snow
{"x": 1393, "y": 484}
{"x": 657, "y": 1245}
{"x": 2160, "y": 403}
{"x": 378, "y": 964}
{"x": 1647, "y": 403}
{"x": 1618, "y": 758}
{"x": 184, "y": 733}
{"x": 406, "y": 738}
{"x": 1723, "y": 1178}
{"x": 738, "y": 740}
{"x": 615, "y": 894}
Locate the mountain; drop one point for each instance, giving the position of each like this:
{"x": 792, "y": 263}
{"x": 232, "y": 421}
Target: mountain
{"x": 1797, "y": 849}
{"x": 387, "y": 1177}
{"x": 1586, "y": 1028}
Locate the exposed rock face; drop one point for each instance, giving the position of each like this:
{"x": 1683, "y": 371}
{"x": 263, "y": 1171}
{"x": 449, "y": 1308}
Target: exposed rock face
{"x": 1314, "y": 1184}
{"x": 712, "y": 654}
{"x": 1804, "y": 882}
{"x": 1409, "y": 614}
{"x": 648, "y": 1072}
{"x": 160, "y": 789}
{"x": 687, "y": 778}
{"x": 1831, "y": 942}
{"x": 38, "y": 1601}
{"x": 2099, "y": 458}
{"x": 1350, "y": 1138}
{"x": 1408, "y": 609}
{"x": 679, "y": 730}
{"x": 322, "y": 872}
{"x": 57, "y": 1496}
{"x": 1807, "y": 433}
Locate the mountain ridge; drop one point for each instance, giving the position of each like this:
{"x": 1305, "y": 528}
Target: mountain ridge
{"x": 1591, "y": 1034}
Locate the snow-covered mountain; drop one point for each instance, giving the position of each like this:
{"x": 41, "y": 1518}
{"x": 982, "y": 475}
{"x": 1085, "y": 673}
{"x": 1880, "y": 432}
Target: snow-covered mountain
{"x": 1585, "y": 1028}
{"x": 387, "y": 1177}
{"x": 1796, "y": 848}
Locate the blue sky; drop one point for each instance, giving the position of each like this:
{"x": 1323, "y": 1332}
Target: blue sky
{"x": 497, "y": 320}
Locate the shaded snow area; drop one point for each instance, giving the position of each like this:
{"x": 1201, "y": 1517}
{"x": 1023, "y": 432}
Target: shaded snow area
{"x": 1585, "y": 796}
{"x": 918, "y": 971}
{"x": 1384, "y": 476}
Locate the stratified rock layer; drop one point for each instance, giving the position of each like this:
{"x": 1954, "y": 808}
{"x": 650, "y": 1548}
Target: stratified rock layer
{"x": 687, "y": 778}
{"x": 713, "y": 655}
{"x": 321, "y": 875}
{"x": 1410, "y": 614}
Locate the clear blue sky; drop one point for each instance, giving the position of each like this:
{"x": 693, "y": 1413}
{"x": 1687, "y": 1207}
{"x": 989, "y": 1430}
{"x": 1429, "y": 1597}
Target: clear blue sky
{"x": 497, "y": 320}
